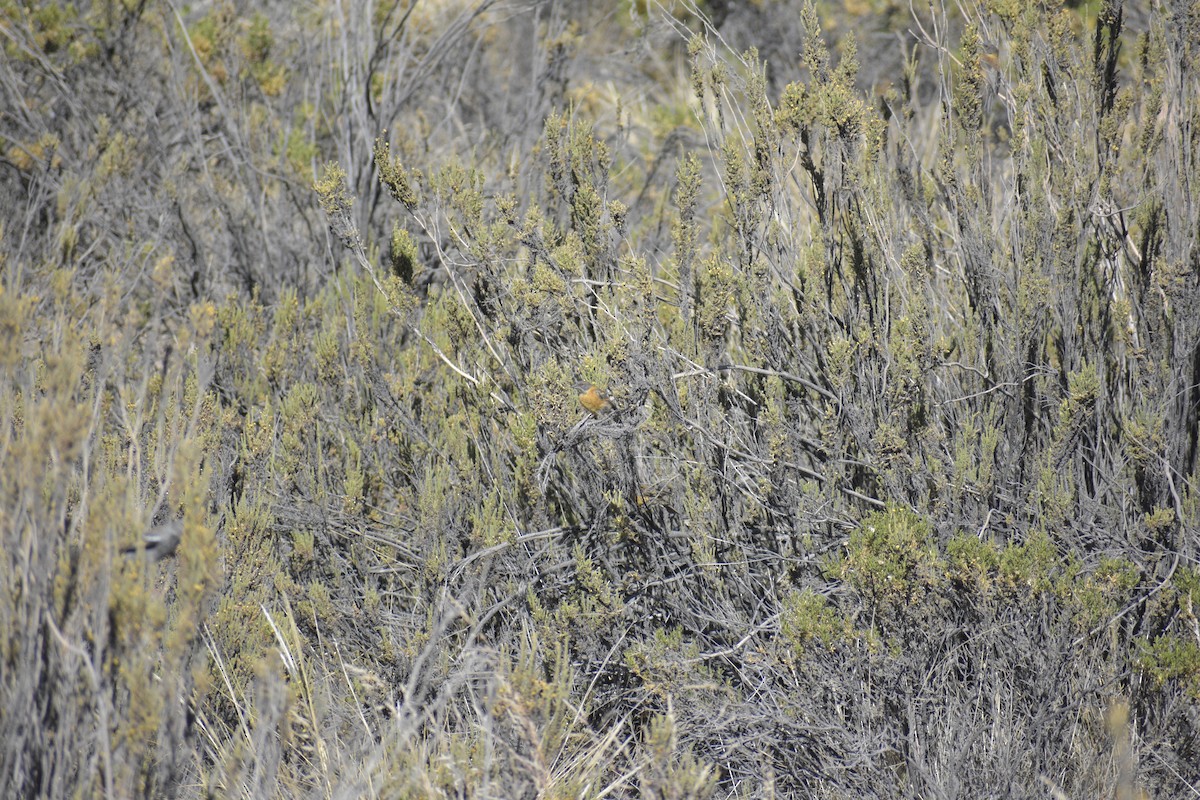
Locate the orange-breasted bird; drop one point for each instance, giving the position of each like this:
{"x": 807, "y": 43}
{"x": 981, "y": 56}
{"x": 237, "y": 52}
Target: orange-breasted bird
{"x": 594, "y": 400}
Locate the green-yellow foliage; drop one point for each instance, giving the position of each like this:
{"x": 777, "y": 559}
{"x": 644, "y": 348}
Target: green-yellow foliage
{"x": 718, "y": 286}
{"x": 972, "y": 562}
{"x": 431, "y": 401}
{"x": 890, "y": 558}
{"x": 1029, "y": 566}
{"x": 403, "y": 255}
{"x": 666, "y": 662}
{"x": 1172, "y": 657}
{"x": 673, "y": 771}
{"x": 808, "y": 618}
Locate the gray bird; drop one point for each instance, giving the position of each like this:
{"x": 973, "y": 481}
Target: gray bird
{"x": 160, "y": 541}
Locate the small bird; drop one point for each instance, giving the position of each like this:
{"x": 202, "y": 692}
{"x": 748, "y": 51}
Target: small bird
{"x": 160, "y": 541}
{"x": 594, "y": 400}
